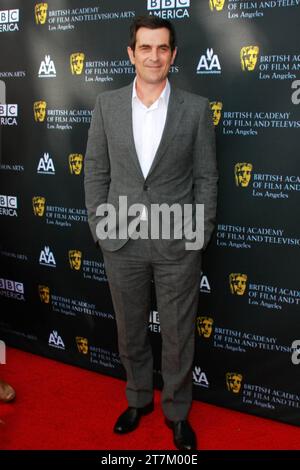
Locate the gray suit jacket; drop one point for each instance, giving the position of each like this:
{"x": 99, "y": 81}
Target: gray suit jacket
{"x": 183, "y": 171}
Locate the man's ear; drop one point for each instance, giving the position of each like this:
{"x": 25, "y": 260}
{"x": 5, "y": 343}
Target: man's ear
{"x": 130, "y": 53}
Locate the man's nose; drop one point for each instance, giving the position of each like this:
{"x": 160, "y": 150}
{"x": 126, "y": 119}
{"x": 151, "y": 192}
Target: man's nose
{"x": 154, "y": 55}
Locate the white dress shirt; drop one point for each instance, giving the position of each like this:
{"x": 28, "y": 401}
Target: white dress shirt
{"x": 148, "y": 125}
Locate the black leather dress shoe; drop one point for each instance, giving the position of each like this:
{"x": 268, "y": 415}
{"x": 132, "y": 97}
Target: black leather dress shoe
{"x": 183, "y": 435}
{"x": 129, "y": 420}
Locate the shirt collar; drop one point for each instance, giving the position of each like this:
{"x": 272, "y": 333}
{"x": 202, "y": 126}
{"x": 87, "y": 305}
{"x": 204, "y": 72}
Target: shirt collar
{"x": 164, "y": 96}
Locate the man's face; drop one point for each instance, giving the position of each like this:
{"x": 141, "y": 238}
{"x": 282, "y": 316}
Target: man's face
{"x": 75, "y": 160}
{"x": 152, "y": 56}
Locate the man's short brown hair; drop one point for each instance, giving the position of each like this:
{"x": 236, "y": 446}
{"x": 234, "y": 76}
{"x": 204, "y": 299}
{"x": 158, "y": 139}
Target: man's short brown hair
{"x": 151, "y": 22}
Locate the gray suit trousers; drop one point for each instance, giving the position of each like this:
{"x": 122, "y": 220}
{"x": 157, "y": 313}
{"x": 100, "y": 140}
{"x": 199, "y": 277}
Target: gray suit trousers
{"x": 130, "y": 271}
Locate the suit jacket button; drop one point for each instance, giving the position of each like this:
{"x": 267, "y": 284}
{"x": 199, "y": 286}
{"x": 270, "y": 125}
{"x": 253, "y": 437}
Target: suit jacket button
{"x": 146, "y": 187}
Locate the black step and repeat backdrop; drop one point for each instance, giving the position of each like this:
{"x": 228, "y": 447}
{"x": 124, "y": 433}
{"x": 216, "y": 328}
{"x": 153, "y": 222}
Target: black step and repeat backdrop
{"x": 56, "y": 56}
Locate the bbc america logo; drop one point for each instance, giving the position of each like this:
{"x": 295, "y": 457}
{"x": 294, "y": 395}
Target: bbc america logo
{"x": 169, "y": 9}
{"x": 9, "y": 20}
{"x": 8, "y": 110}
{"x": 8, "y": 201}
{"x": 154, "y": 323}
{"x": 163, "y": 4}
{"x": 13, "y": 286}
{"x": 8, "y": 205}
{"x": 12, "y": 289}
{"x": 8, "y": 114}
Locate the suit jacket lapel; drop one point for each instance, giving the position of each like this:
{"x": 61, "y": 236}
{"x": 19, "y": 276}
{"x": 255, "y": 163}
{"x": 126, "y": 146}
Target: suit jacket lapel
{"x": 125, "y": 114}
{"x": 174, "y": 114}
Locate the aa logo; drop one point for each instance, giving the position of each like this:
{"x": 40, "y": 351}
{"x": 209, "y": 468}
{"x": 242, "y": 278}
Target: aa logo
{"x": 209, "y": 63}
{"x": 40, "y": 13}
{"x": 238, "y": 283}
{"x": 55, "y": 340}
{"x": 234, "y": 382}
{"x": 75, "y": 163}
{"x": 242, "y": 174}
{"x": 217, "y": 5}
{"x": 47, "y": 68}
{"x": 75, "y": 257}
{"x": 47, "y": 258}
{"x": 38, "y": 205}
{"x": 199, "y": 377}
{"x": 76, "y": 63}
{"x": 205, "y": 326}
{"x": 44, "y": 293}
{"x": 249, "y": 55}
{"x": 39, "y": 110}
{"x": 216, "y": 107}
{"x": 82, "y": 344}
{"x": 204, "y": 284}
{"x": 46, "y": 165}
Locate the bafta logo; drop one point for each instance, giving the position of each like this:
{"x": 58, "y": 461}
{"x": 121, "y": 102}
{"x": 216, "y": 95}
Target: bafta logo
{"x": 75, "y": 257}
{"x": 217, "y": 5}
{"x": 38, "y": 205}
{"x": 242, "y": 174}
{"x": 249, "y": 56}
{"x": 76, "y": 63}
{"x": 238, "y": 283}
{"x": 205, "y": 326}
{"x": 44, "y": 293}
{"x": 75, "y": 163}
{"x": 216, "y": 107}
{"x": 40, "y": 13}
{"x": 39, "y": 110}
{"x": 82, "y": 344}
{"x": 234, "y": 382}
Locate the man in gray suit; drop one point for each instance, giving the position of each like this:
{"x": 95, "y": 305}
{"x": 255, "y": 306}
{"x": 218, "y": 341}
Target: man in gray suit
{"x": 152, "y": 144}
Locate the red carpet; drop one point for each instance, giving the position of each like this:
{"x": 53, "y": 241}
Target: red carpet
{"x": 65, "y": 407}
